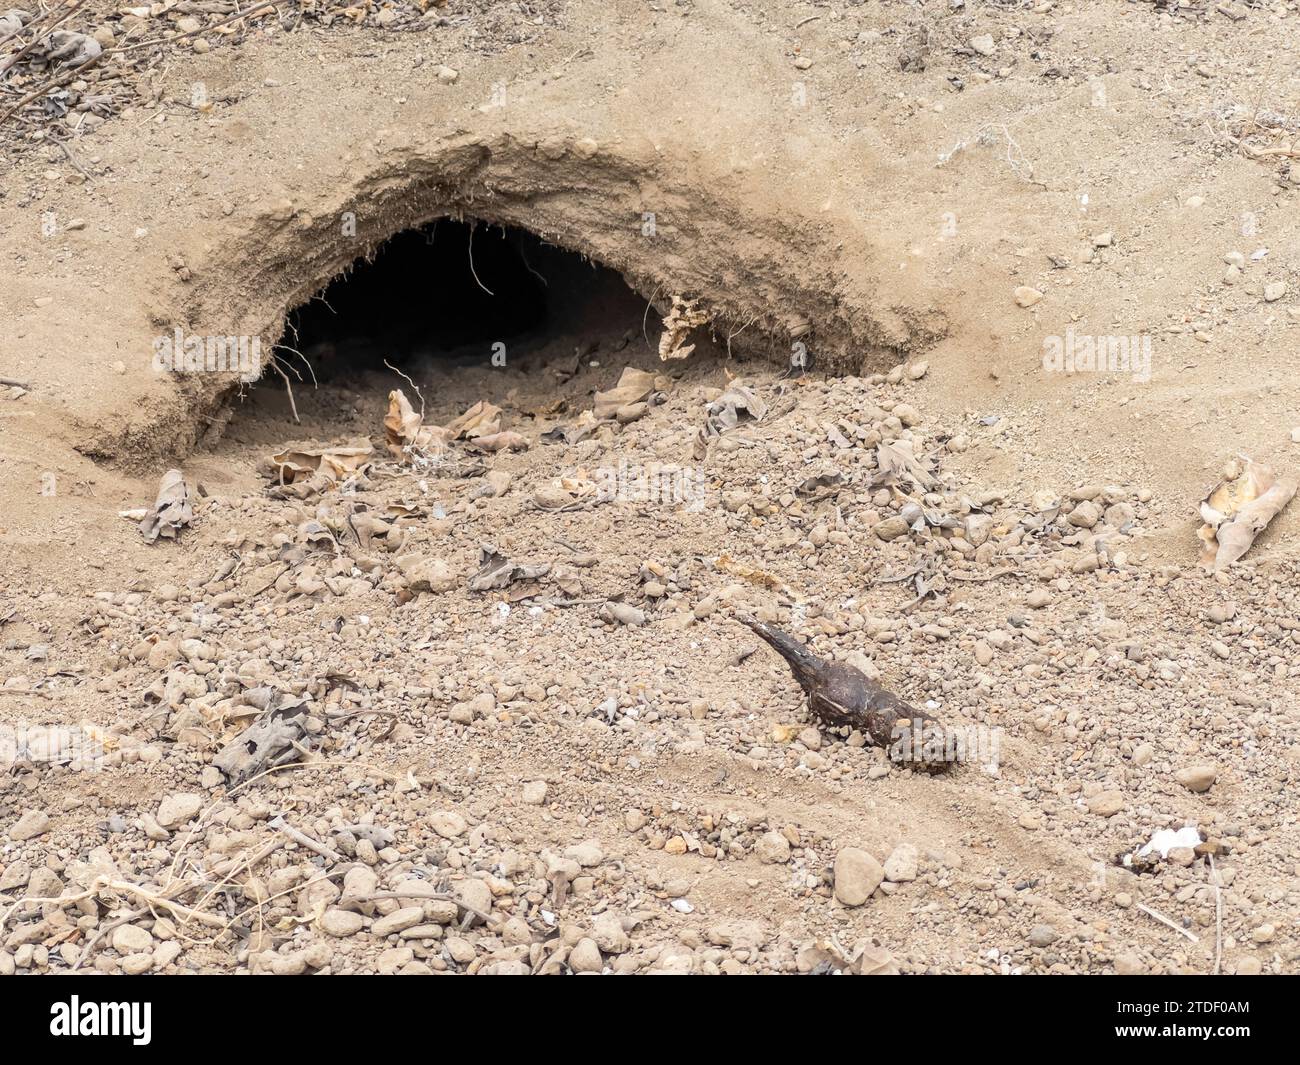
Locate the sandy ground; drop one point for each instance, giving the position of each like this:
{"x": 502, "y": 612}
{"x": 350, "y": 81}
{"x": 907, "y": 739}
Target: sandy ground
{"x": 576, "y": 793}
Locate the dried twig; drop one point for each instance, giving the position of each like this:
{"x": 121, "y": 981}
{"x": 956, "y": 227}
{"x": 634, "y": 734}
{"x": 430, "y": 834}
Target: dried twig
{"x": 105, "y": 929}
{"x": 407, "y": 379}
{"x": 304, "y": 840}
{"x": 408, "y": 893}
{"x": 288, "y": 387}
{"x": 1218, "y": 917}
{"x": 1166, "y": 921}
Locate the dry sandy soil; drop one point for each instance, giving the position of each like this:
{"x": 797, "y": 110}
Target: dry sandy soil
{"x": 596, "y": 767}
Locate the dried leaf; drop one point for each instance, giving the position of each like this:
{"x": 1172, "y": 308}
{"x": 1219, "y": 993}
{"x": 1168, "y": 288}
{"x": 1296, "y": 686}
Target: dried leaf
{"x": 497, "y": 571}
{"x": 502, "y": 441}
{"x": 897, "y": 462}
{"x": 404, "y": 429}
{"x": 633, "y": 386}
{"x": 1238, "y": 509}
{"x": 683, "y": 316}
{"x": 482, "y": 419}
{"x": 336, "y": 463}
{"x": 171, "y": 511}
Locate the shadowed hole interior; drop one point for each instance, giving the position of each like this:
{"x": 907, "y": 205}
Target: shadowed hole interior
{"x": 458, "y": 291}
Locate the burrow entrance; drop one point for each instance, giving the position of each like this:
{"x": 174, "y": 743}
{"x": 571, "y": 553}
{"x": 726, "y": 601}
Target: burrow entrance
{"x": 451, "y": 303}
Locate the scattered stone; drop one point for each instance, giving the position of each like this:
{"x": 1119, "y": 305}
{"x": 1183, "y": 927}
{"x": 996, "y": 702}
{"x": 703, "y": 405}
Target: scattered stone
{"x": 176, "y": 810}
{"x": 1043, "y": 935}
{"x": 588, "y": 854}
{"x": 1085, "y": 515}
{"x": 608, "y": 934}
{"x": 1129, "y": 964}
{"x": 1197, "y": 778}
{"x": 131, "y": 939}
{"x": 857, "y": 875}
{"x": 397, "y": 921}
{"x": 900, "y": 866}
{"x": 772, "y": 848}
{"x": 1106, "y": 803}
{"x": 447, "y": 823}
{"x": 585, "y": 956}
{"x": 891, "y": 528}
{"x": 32, "y": 824}
{"x": 341, "y": 923}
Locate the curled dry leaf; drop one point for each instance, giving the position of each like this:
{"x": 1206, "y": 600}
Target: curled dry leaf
{"x": 896, "y": 461}
{"x": 634, "y": 386}
{"x": 69, "y": 48}
{"x": 480, "y": 427}
{"x": 171, "y": 511}
{"x": 738, "y": 403}
{"x": 682, "y": 317}
{"x": 585, "y": 424}
{"x": 506, "y": 440}
{"x": 1239, "y": 508}
{"x": 335, "y": 463}
{"x": 482, "y": 419}
{"x": 497, "y": 571}
{"x": 404, "y": 428}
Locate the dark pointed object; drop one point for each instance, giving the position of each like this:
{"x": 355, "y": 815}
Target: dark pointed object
{"x": 841, "y": 694}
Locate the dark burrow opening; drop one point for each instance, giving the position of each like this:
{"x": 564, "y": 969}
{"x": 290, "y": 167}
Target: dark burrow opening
{"x": 455, "y": 292}
{"x": 453, "y": 313}
{"x": 461, "y": 310}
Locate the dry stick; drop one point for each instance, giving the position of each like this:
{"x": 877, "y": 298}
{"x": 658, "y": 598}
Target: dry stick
{"x": 62, "y": 900}
{"x": 1166, "y": 921}
{"x": 440, "y": 896}
{"x": 279, "y": 894}
{"x": 103, "y": 931}
{"x": 202, "y": 29}
{"x": 154, "y": 899}
{"x": 310, "y": 369}
{"x": 405, "y": 378}
{"x": 53, "y": 83}
{"x": 304, "y": 840}
{"x": 288, "y": 387}
{"x": 391, "y": 778}
{"x": 248, "y": 864}
{"x": 1218, "y": 917}
{"x": 25, "y": 29}
{"x": 67, "y": 153}
{"x": 737, "y": 332}
{"x": 13, "y": 382}
{"x": 649, "y": 303}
